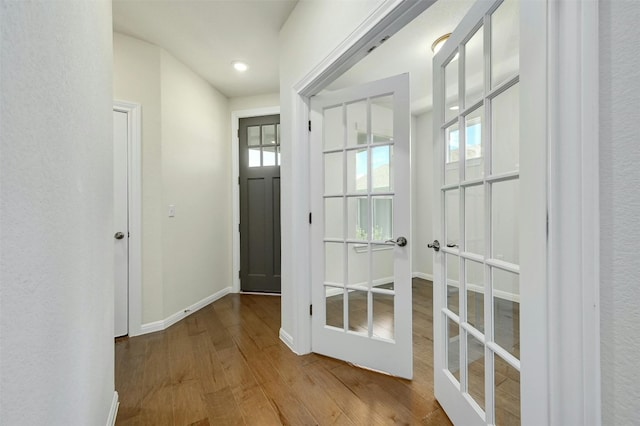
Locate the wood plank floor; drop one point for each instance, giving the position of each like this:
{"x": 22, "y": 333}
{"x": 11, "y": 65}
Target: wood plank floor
{"x": 225, "y": 365}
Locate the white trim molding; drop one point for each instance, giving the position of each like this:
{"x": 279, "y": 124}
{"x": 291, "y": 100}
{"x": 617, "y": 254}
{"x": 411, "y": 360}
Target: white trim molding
{"x": 152, "y": 327}
{"x": 574, "y": 205}
{"x": 134, "y": 170}
{"x": 287, "y": 340}
{"x": 113, "y": 411}
{"x": 423, "y": 276}
{"x": 235, "y": 190}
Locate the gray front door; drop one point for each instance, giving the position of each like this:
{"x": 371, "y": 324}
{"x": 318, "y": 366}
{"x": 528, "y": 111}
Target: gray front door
{"x": 260, "y": 204}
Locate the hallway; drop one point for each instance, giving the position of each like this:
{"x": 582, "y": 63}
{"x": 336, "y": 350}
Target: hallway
{"x": 225, "y": 365}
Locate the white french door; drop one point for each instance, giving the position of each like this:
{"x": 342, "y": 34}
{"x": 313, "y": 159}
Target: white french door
{"x": 477, "y": 300}
{"x": 361, "y": 260}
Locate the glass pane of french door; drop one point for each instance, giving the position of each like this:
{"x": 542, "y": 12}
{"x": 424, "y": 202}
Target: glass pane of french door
{"x": 479, "y": 302}
{"x": 360, "y": 185}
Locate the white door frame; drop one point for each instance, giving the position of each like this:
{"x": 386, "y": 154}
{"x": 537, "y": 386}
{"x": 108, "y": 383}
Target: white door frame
{"x": 570, "y": 63}
{"x": 134, "y": 170}
{"x": 235, "y": 183}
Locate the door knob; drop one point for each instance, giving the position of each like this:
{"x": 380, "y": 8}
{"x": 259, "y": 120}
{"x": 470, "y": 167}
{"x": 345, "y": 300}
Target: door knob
{"x": 435, "y": 245}
{"x": 400, "y": 242}
{"x": 119, "y": 235}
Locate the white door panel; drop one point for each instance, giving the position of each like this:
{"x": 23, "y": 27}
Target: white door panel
{"x": 360, "y": 202}
{"x": 120, "y": 221}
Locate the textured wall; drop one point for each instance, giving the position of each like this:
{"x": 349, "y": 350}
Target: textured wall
{"x": 186, "y": 161}
{"x": 196, "y": 178}
{"x": 56, "y": 234}
{"x": 619, "y": 209}
{"x": 422, "y": 197}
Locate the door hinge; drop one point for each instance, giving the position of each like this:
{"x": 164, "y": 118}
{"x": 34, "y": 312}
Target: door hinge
{"x": 239, "y": 228}
{"x": 309, "y": 125}
{"x": 238, "y": 133}
{"x": 239, "y": 274}
{"x": 238, "y": 180}
{"x": 310, "y": 218}
{"x": 310, "y": 310}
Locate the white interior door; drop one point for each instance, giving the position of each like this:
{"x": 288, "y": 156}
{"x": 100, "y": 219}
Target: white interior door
{"x": 361, "y": 267}
{"x": 477, "y": 268}
{"x": 121, "y": 222}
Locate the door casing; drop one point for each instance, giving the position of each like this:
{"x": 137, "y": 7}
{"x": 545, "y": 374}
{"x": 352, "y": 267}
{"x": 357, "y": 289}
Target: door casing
{"x": 134, "y": 166}
{"x": 570, "y": 31}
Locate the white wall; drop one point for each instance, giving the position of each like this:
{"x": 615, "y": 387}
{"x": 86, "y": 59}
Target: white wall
{"x": 254, "y": 102}
{"x": 187, "y": 163}
{"x": 56, "y": 213}
{"x": 196, "y": 176}
{"x": 619, "y": 209}
{"x": 422, "y": 197}
{"x": 304, "y": 42}
{"x": 136, "y": 78}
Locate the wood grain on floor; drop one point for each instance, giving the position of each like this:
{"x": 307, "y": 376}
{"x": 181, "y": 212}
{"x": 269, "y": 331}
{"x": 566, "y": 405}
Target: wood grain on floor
{"x": 225, "y": 365}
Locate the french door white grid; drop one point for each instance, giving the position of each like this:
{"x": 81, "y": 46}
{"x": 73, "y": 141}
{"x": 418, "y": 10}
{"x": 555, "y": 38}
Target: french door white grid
{"x": 458, "y": 251}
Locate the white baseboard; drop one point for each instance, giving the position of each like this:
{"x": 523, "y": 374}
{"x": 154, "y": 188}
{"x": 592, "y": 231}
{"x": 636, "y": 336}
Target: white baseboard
{"x": 151, "y": 327}
{"x": 423, "y": 276}
{"x": 180, "y": 315}
{"x": 287, "y": 340}
{"x": 113, "y": 411}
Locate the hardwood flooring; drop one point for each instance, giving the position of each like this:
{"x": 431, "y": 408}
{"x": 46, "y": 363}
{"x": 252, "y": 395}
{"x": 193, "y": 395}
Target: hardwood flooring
{"x": 225, "y": 365}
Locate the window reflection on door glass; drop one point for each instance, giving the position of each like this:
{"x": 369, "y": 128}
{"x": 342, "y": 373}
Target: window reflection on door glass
{"x": 357, "y": 166}
{"x": 253, "y": 135}
{"x": 269, "y": 156}
{"x": 269, "y": 134}
{"x": 254, "y": 157}
{"x": 381, "y": 168}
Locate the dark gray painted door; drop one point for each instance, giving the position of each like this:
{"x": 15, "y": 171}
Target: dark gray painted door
{"x": 260, "y": 204}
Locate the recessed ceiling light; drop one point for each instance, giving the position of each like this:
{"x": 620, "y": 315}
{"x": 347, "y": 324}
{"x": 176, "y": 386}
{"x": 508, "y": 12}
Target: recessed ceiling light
{"x": 240, "y": 66}
{"x": 454, "y": 108}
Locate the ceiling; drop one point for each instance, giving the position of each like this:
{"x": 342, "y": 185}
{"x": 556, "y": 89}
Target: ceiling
{"x": 208, "y": 35}
{"x": 409, "y": 50}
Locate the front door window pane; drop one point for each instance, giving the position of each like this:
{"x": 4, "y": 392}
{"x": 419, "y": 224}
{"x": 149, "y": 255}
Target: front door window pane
{"x": 253, "y": 135}
{"x": 269, "y": 134}
{"x": 254, "y": 157}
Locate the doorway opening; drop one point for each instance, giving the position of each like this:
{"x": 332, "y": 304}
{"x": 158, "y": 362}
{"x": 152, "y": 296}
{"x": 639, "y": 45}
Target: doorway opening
{"x": 259, "y": 180}
{"x": 127, "y": 231}
{"x": 369, "y": 69}
{"x": 258, "y": 151}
